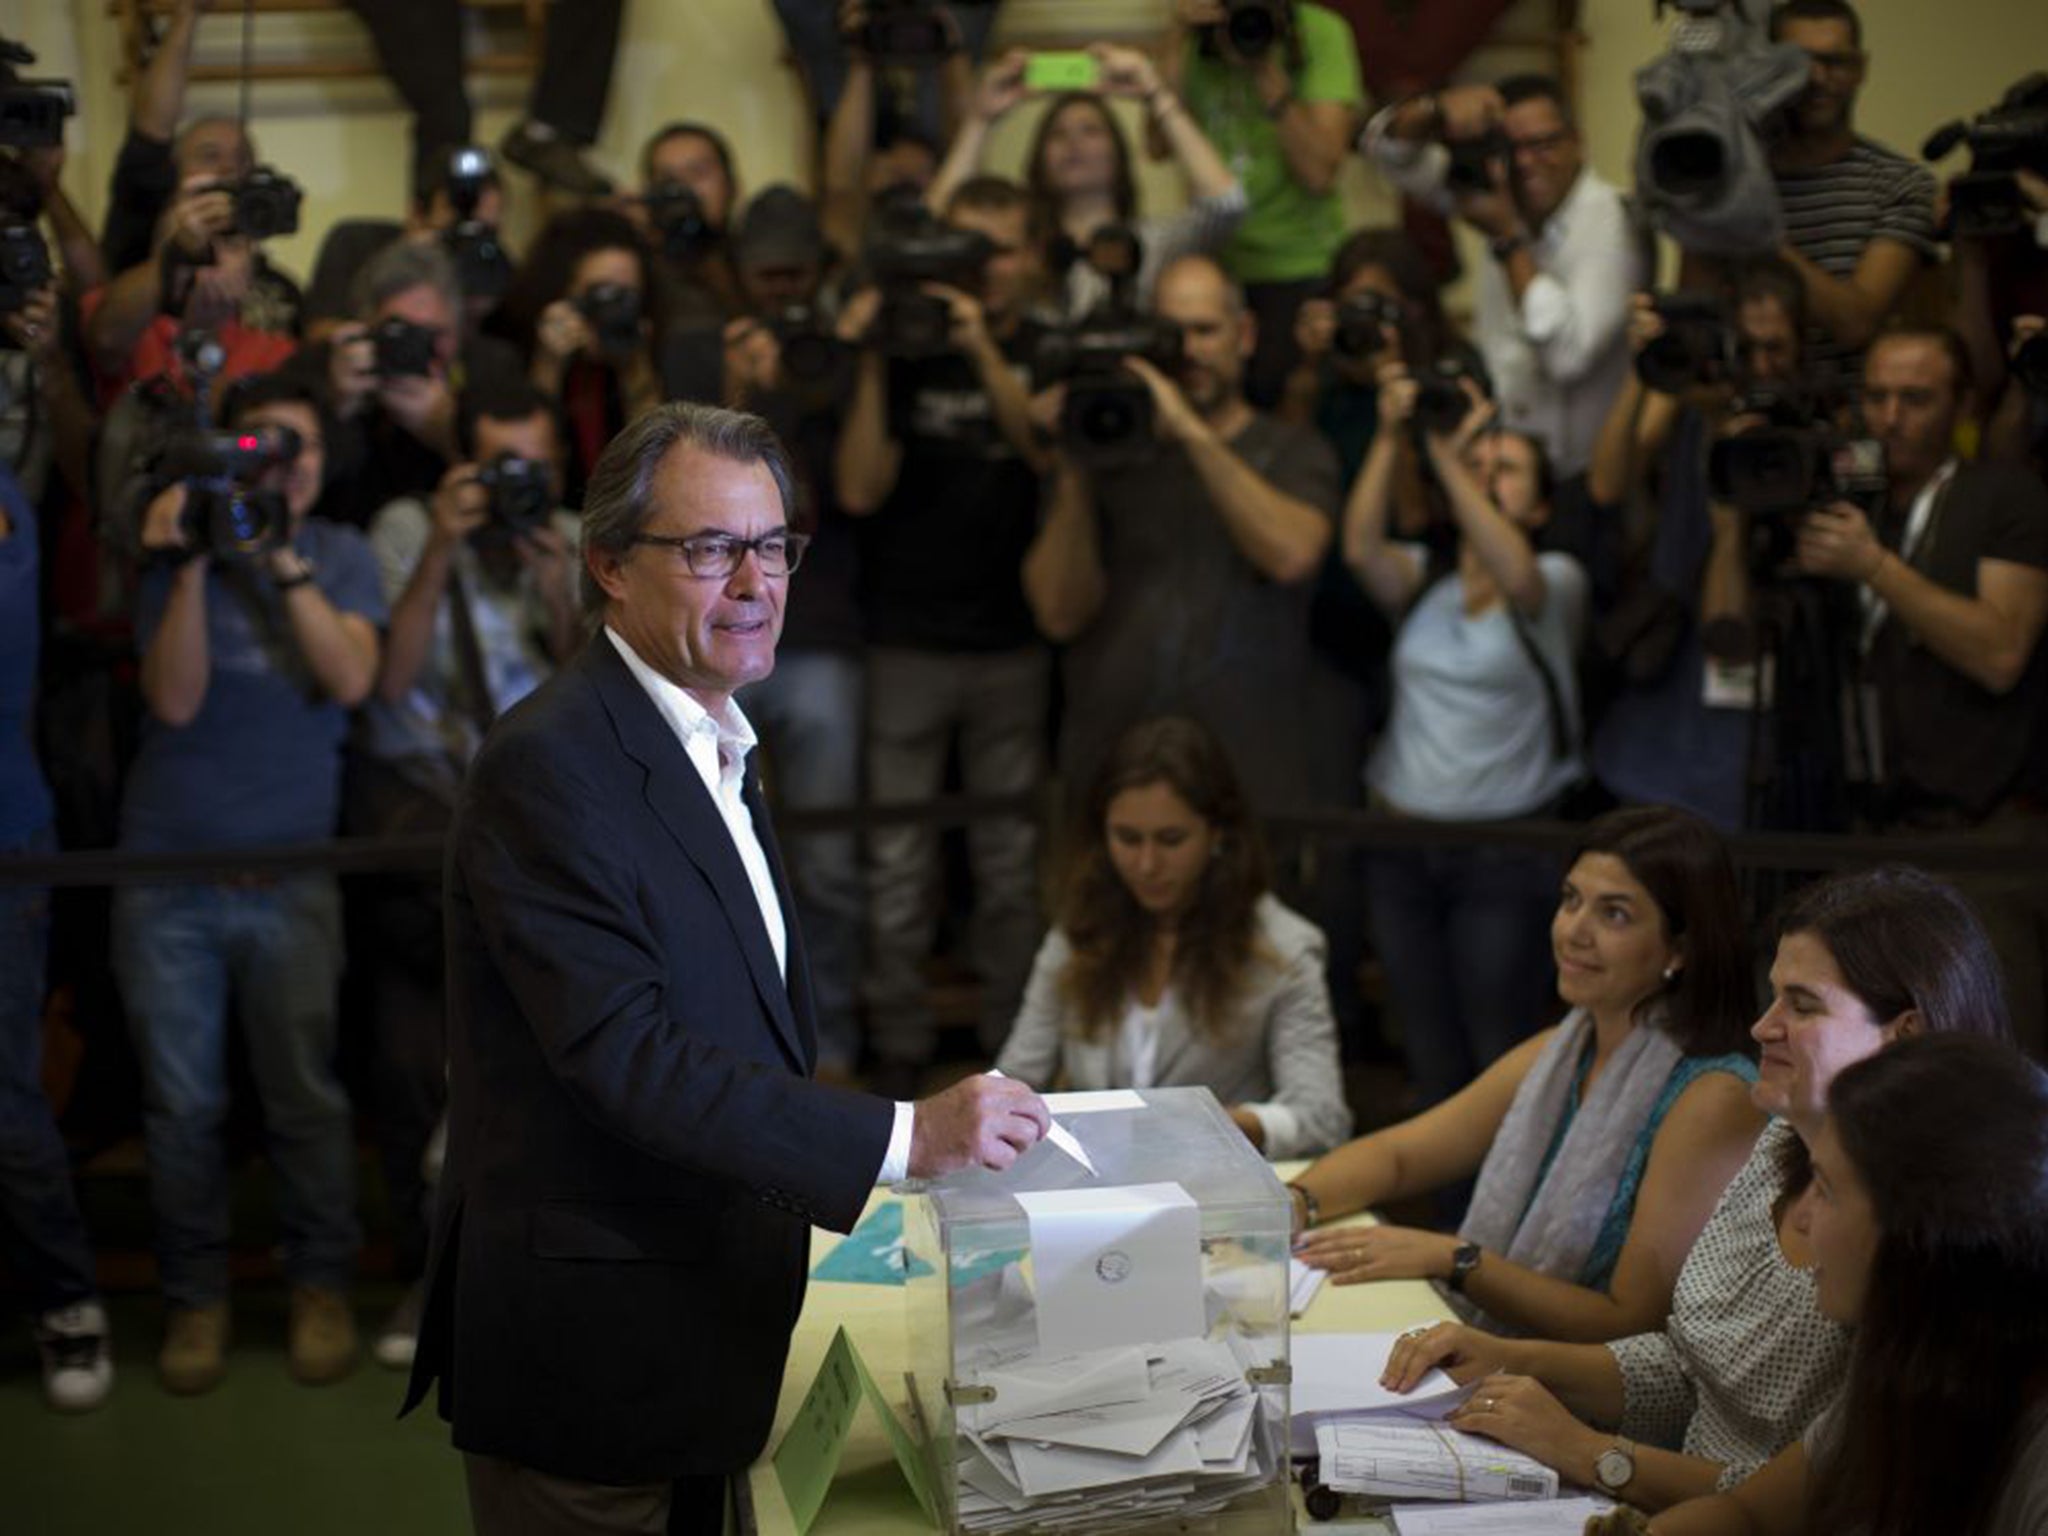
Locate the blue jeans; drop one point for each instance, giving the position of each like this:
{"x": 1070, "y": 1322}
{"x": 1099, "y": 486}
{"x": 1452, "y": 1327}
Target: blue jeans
{"x": 46, "y": 1245}
{"x": 1464, "y": 937}
{"x": 808, "y": 714}
{"x": 182, "y": 954}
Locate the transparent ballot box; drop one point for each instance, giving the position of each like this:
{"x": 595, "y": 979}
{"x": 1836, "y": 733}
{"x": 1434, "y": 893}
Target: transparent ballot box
{"x": 1106, "y": 1351}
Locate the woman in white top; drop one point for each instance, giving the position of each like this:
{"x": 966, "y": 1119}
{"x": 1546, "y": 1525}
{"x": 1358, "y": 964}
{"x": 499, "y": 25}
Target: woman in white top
{"x": 1748, "y": 1357}
{"x": 1172, "y": 964}
{"x": 1079, "y": 174}
{"x": 1929, "y": 1226}
{"x": 1483, "y": 728}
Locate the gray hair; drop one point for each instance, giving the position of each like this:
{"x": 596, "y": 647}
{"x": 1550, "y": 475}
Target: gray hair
{"x": 619, "y": 497}
{"x": 402, "y": 266}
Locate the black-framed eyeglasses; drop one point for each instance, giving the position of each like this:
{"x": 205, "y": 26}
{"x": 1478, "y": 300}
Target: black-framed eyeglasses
{"x": 719, "y": 554}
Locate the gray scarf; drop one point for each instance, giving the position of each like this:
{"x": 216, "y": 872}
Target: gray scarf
{"x": 1553, "y": 1233}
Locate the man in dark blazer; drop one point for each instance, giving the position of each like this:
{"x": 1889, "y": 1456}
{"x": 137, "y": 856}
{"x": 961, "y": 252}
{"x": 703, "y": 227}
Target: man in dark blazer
{"x": 636, "y": 1151}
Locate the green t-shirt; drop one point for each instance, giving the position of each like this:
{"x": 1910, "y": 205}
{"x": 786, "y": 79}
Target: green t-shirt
{"x": 1289, "y": 233}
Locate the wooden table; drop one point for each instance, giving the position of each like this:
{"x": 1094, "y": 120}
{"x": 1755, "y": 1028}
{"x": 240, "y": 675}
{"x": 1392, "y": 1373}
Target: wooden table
{"x": 869, "y": 1496}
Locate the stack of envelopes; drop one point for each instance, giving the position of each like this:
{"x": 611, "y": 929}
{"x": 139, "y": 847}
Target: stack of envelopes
{"x": 1111, "y": 1439}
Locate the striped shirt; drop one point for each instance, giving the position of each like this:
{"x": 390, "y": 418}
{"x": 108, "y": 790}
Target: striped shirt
{"x": 1834, "y": 211}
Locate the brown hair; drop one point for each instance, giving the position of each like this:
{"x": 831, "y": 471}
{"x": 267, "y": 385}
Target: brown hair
{"x": 1111, "y": 934}
{"x": 1045, "y": 203}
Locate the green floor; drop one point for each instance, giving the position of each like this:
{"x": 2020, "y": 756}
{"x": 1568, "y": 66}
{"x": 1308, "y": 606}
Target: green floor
{"x": 259, "y": 1454}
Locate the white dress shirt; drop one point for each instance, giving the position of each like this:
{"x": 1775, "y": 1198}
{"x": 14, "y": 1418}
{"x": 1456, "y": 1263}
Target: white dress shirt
{"x": 717, "y": 746}
{"x": 1560, "y": 355}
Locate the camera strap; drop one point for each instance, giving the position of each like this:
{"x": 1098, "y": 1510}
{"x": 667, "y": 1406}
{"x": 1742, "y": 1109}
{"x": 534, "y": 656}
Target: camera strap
{"x": 1553, "y": 694}
{"x": 469, "y": 656}
{"x": 1920, "y": 521}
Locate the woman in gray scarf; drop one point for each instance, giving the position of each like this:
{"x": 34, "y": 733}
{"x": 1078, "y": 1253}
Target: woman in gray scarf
{"x": 1600, "y": 1145}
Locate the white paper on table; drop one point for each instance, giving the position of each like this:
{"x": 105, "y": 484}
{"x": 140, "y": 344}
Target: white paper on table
{"x": 1303, "y": 1281}
{"x": 1340, "y": 1373}
{"x": 1040, "y": 1386}
{"x": 1093, "y": 1101}
{"x": 1548, "y": 1517}
{"x": 1044, "y": 1469}
{"x": 1401, "y": 1459}
{"x": 1117, "y": 1265}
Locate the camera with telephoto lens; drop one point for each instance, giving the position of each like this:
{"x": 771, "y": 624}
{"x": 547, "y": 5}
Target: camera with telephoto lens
{"x": 403, "y": 350}
{"x": 613, "y": 312}
{"x": 522, "y": 493}
{"x": 2012, "y": 136}
{"x": 1108, "y": 419}
{"x": 904, "y": 32}
{"x": 482, "y": 265}
{"x": 1362, "y": 322}
{"x": 2030, "y": 365}
{"x": 1441, "y": 400}
{"x": 1473, "y": 160}
{"x": 678, "y": 216}
{"x": 911, "y": 249}
{"x": 1696, "y": 347}
{"x": 227, "y": 514}
{"x": 24, "y": 265}
{"x": 32, "y": 112}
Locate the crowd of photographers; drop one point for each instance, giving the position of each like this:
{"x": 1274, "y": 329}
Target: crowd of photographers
{"x": 1770, "y": 544}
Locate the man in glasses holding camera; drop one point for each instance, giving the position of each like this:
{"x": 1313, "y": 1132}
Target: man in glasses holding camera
{"x": 1552, "y": 310}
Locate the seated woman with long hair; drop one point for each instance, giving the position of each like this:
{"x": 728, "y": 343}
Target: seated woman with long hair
{"x": 1079, "y": 174}
{"x": 1929, "y": 1230}
{"x": 1747, "y": 1358}
{"x": 1601, "y": 1145}
{"x": 1173, "y": 964}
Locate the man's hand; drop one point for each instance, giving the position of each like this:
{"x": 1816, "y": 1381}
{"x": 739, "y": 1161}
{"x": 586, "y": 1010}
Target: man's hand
{"x": 199, "y": 213}
{"x": 163, "y": 521}
{"x": 966, "y": 319}
{"x": 1522, "y": 1414}
{"x": 753, "y": 357}
{"x": 1493, "y": 212}
{"x": 1178, "y": 421}
{"x": 351, "y": 368}
{"x": 1352, "y": 1255}
{"x": 1461, "y": 1353}
{"x": 1468, "y": 111}
{"x": 1645, "y": 325}
{"x": 857, "y": 316}
{"x": 1838, "y": 541}
{"x": 34, "y": 327}
{"x": 1397, "y": 394}
{"x": 980, "y": 1122}
{"x": 563, "y": 332}
{"x": 460, "y": 506}
{"x": 1001, "y": 86}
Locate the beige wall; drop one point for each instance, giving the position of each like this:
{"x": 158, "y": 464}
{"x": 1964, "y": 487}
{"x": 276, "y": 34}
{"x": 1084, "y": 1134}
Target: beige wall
{"x": 720, "y": 60}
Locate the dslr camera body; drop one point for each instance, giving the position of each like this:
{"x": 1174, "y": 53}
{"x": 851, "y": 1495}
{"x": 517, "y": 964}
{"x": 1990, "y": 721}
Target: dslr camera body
{"x": 613, "y": 312}
{"x": 266, "y": 203}
{"x": 678, "y": 217}
{"x": 481, "y": 263}
{"x": 1441, "y": 400}
{"x": 1252, "y": 28}
{"x": 522, "y": 495}
{"x": 2013, "y": 136}
{"x": 1108, "y": 420}
{"x": 24, "y": 264}
{"x": 1362, "y": 321}
{"x": 1697, "y": 347}
{"x": 227, "y": 513}
{"x": 403, "y": 350}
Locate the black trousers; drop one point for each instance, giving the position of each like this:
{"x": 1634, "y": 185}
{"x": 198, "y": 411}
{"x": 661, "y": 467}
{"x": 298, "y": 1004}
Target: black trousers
{"x": 420, "y": 45}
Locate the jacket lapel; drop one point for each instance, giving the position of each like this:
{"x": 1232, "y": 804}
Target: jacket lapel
{"x": 802, "y": 1004}
{"x": 679, "y": 798}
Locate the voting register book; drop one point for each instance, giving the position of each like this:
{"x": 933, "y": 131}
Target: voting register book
{"x": 1101, "y": 1341}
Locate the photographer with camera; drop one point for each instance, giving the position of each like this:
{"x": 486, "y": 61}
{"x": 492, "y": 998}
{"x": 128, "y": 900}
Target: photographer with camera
{"x": 481, "y": 578}
{"x": 1552, "y": 306}
{"x": 874, "y": 148}
{"x": 1484, "y": 727}
{"x": 1275, "y": 85}
{"x": 1675, "y": 728}
{"x": 258, "y": 628}
{"x": 1950, "y": 575}
{"x": 937, "y": 462}
{"x": 1078, "y": 170}
{"x": 689, "y": 193}
{"x": 2001, "y": 295}
{"x": 1179, "y": 573}
{"x": 1859, "y": 218}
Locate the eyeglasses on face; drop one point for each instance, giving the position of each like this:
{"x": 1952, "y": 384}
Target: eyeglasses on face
{"x": 719, "y": 554}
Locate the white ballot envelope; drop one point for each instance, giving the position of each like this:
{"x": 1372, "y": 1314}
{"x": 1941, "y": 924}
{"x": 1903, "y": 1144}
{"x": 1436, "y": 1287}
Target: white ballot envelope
{"x": 1117, "y": 1265}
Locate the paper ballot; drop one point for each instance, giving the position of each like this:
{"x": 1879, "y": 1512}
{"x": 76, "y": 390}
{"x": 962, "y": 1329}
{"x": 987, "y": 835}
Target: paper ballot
{"x": 1115, "y": 1266}
{"x": 1404, "y": 1459}
{"x": 1337, "y": 1375}
{"x": 1553, "y": 1517}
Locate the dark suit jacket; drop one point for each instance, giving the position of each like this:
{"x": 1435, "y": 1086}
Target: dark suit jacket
{"x": 636, "y": 1152}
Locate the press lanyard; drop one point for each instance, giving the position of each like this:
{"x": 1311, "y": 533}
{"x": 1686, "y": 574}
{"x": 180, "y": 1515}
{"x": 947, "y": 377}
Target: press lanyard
{"x": 1875, "y": 608}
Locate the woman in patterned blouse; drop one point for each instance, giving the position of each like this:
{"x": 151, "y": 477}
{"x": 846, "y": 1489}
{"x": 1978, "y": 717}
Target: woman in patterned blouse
{"x": 1747, "y": 1359}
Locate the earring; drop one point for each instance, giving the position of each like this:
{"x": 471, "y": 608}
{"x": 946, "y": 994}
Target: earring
{"x": 1670, "y": 971}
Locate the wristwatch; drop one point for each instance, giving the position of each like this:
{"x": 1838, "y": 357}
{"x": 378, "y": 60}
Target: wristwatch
{"x": 1615, "y": 1468}
{"x": 1504, "y": 246}
{"x": 1311, "y": 1207}
{"x": 1464, "y": 1259}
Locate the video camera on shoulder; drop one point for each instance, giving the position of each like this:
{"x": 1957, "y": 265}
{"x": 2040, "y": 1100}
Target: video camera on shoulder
{"x": 910, "y": 250}
{"x": 1792, "y": 462}
{"x": 24, "y": 266}
{"x": 403, "y": 350}
{"x": 1697, "y": 346}
{"x": 481, "y": 263}
{"x": 227, "y": 513}
{"x": 1362, "y": 323}
{"x": 1253, "y": 28}
{"x": 2013, "y": 136}
{"x": 1108, "y": 419}
{"x": 678, "y": 217}
{"x": 266, "y": 203}
{"x": 32, "y": 112}
{"x": 522, "y": 493}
